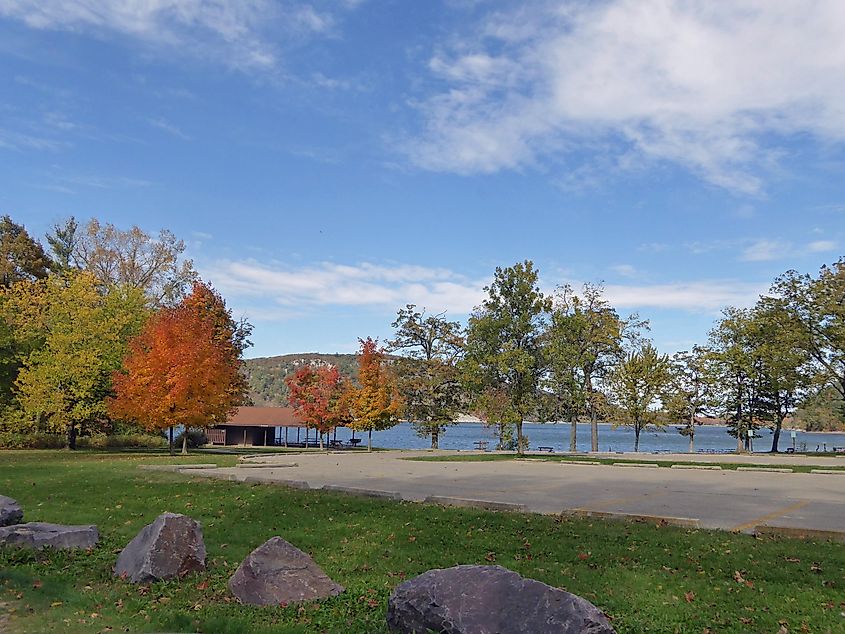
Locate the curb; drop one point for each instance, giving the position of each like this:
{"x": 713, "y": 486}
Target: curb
{"x": 487, "y": 505}
{"x": 681, "y": 522}
{"x": 580, "y": 462}
{"x": 367, "y": 493}
{"x": 798, "y": 533}
{"x": 266, "y": 465}
{"x": 828, "y": 471}
{"x": 176, "y": 467}
{"x": 641, "y": 465}
{"x": 709, "y": 467}
{"x": 766, "y": 469}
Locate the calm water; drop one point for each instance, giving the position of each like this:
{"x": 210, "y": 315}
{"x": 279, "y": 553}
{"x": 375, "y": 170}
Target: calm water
{"x": 464, "y": 435}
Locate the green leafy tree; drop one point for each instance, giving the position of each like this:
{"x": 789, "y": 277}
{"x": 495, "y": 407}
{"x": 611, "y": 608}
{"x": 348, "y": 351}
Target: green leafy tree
{"x": 817, "y": 306}
{"x": 428, "y": 378}
{"x": 21, "y": 257}
{"x": 687, "y": 393}
{"x": 504, "y": 345}
{"x": 635, "y": 385}
{"x": 821, "y": 410}
{"x": 784, "y": 362}
{"x": 585, "y": 343}
{"x": 736, "y": 370}
{"x": 63, "y": 383}
{"x": 564, "y": 386}
{"x": 63, "y": 244}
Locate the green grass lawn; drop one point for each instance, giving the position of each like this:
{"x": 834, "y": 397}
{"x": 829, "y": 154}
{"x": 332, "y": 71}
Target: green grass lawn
{"x": 491, "y": 457}
{"x": 647, "y": 578}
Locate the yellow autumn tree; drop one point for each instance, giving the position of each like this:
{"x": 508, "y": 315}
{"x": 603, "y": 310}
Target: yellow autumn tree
{"x": 375, "y": 405}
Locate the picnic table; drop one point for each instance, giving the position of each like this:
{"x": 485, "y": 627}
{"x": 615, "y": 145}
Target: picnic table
{"x": 481, "y": 445}
{"x": 354, "y": 442}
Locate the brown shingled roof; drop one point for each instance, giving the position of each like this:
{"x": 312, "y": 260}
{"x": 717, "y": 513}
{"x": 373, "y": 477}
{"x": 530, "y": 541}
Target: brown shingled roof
{"x": 265, "y": 417}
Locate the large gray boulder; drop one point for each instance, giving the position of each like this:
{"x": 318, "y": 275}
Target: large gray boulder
{"x": 278, "y": 572}
{"x": 489, "y": 600}
{"x": 10, "y": 511}
{"x": 39, "y": 535}
{"x": 169, "y": 548}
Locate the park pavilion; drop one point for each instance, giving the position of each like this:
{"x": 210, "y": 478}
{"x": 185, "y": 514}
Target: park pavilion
{"x": 262, "y": 427}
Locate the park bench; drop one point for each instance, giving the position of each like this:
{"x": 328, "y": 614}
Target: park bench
{"x": 481, "y": 445}
{"x": 548, "y": 449}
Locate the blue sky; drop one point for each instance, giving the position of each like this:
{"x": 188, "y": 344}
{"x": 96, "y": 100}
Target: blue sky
{"x": 329, "y": 161}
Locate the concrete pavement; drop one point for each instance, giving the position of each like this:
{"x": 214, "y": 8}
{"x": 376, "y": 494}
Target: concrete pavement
{"x": 730, "y": 500}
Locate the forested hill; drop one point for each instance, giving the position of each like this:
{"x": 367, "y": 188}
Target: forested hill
{"x": 266, "y": 375}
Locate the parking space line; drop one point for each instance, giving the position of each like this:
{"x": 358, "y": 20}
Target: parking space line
{"x": 770, "y": 516}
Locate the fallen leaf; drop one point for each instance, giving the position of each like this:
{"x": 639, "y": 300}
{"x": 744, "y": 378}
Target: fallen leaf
{"x": 689, "y": 597}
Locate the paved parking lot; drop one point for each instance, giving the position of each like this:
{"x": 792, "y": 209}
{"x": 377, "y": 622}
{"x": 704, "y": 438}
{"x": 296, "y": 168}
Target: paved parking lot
{"x": 731, "y": 500}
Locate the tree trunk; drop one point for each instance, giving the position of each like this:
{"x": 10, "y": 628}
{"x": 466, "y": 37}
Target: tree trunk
{"x": 594, "y": 429}
{"x": 776, "y": 435}
{"x": 71, "y": 436}
{"x": 519, "y": 437}
{"x": 573, "y": 436}
{"x": 435, "y": 439}
{"x": 369, "y": 440}
{"x": 185, "y": 442}
{"x": 321, "y": 439}
{"x": 636, "y": 438}
{"x": 692, "y": 433}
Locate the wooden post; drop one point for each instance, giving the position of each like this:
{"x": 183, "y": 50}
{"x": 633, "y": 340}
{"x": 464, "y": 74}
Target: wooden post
{"x": 265, "y": 436}
{"x": 244, "y": 436}
{"x": 286, "y": 435}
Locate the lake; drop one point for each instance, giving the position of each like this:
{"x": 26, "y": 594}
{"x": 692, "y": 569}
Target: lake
{"x": 556, "y": 435}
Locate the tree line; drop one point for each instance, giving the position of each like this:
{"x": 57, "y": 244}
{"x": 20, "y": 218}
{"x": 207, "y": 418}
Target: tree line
{"x": 109, "y": 331}
{"x": 108, "y": 328}
{"x": 524, "y": 355}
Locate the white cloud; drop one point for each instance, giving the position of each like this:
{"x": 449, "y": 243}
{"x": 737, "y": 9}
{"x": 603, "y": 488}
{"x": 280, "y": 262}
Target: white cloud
{"x": 764, "y": 250}
{"x": 706, "y": 295}
{"x": 625, "y": 270}
{"x": 821, "y": 246}
{"x": 281, "y": 292}
{"x": 701, "y": 84}
{"x": 244, "y": 34}
{"x": 166, "y": 126}
{"x": 364, "y": 284}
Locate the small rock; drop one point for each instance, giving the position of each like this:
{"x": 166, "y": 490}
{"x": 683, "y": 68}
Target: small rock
{"x": 489, "y": 599}
{"x": 39, "y": 535}
{"x": 10, "y": 511}
{"x": 278, "y": 572}
{"x": 170, "y": 547}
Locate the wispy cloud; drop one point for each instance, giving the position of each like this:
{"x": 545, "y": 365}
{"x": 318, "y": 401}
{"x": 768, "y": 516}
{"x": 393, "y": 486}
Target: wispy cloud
{"x": 287, "y": 291}
{"x": 244, "y": 34}
{"x": 11, "y": 140}
{"x": 693, "y": 82}
{"x": 166, "y": 126}
{"x": 708, "y": 295}
{"x": 363, "y": 284}
{"x": 625, "y": 270}
{"x": 764, "y": 250}
{"x": 821, "y": 246}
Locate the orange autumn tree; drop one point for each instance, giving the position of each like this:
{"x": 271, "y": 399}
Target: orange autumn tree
{"x": 375, "y": 405}
{"x": 317, "y": 396}
{"x": 184, "y": 368}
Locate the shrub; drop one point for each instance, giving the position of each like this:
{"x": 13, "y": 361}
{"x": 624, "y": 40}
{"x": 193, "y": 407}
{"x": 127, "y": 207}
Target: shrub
{"x": 32, "y": 440}
{"x": 196, "y": 438}
{"x": 43, "y": 440}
